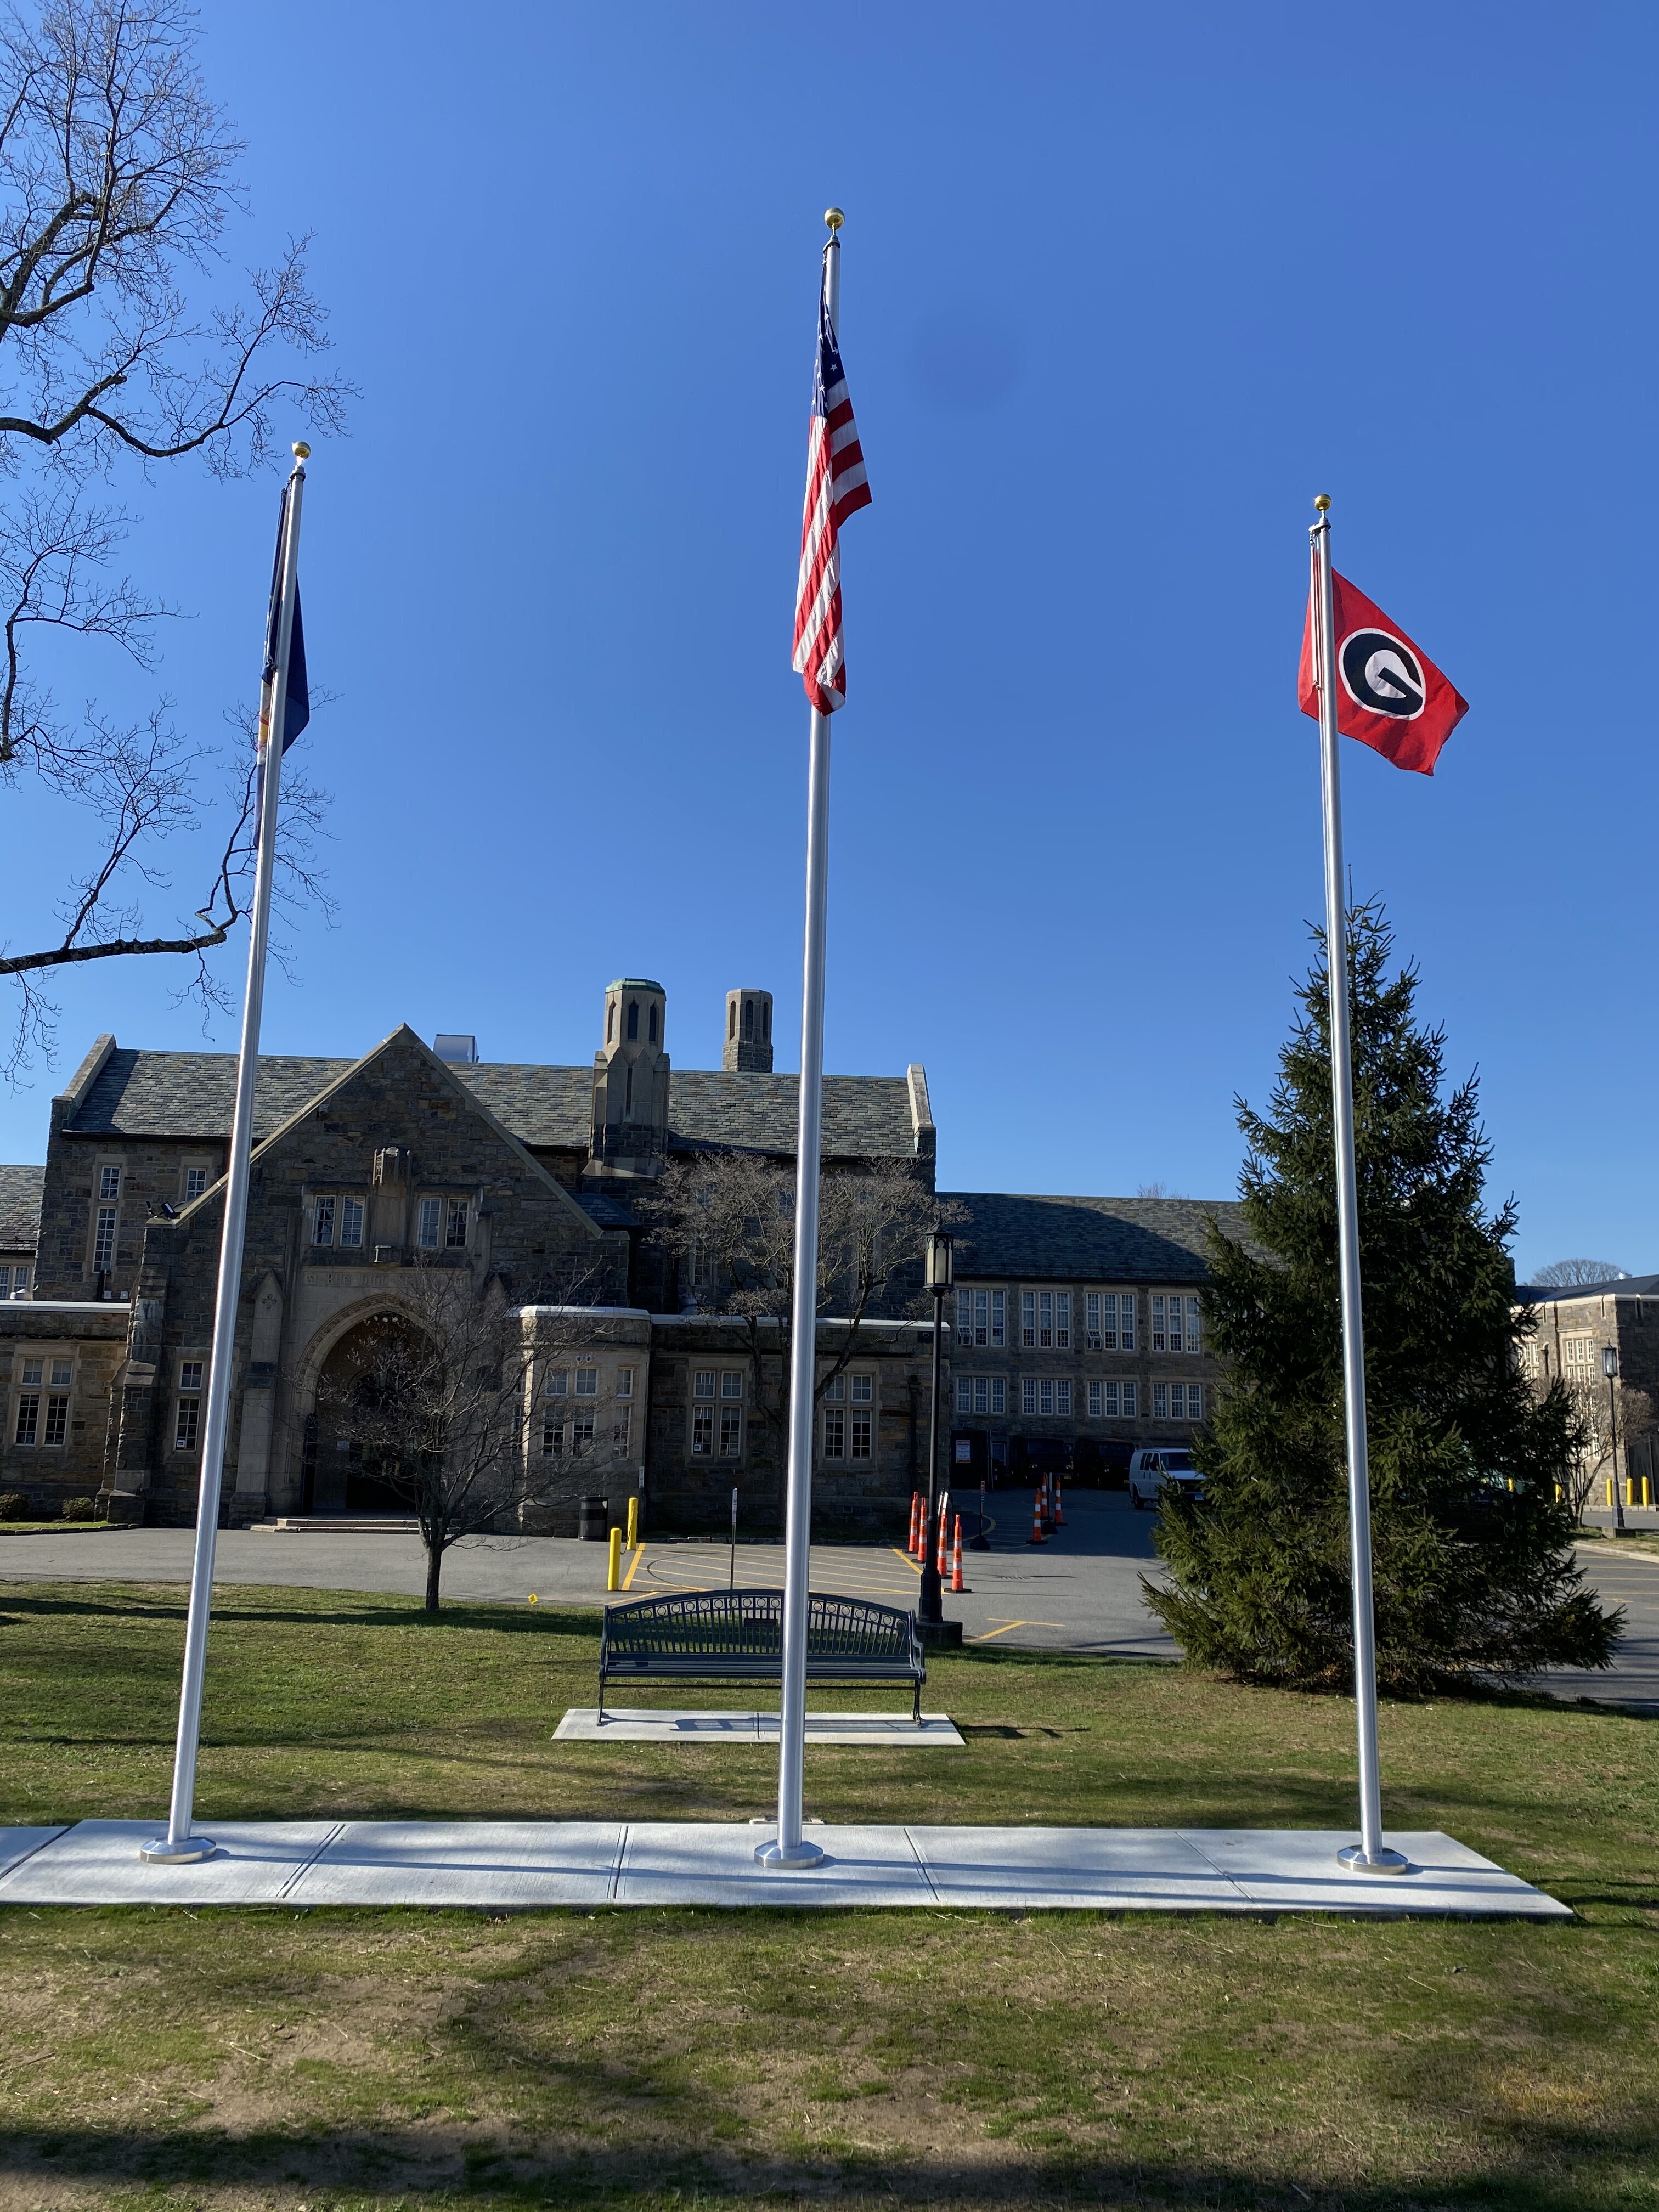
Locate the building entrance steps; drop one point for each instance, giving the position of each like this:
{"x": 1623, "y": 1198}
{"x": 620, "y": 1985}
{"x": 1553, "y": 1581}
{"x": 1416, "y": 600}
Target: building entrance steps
{"x": 524, "y": 1864}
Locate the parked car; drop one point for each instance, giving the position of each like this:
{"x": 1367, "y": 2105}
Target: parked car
{"x": 1150, "y": 1470}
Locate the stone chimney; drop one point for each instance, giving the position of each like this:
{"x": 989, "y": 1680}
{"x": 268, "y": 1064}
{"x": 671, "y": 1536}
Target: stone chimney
{"x": 748, "y": 1032}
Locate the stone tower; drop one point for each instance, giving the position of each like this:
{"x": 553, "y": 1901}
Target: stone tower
{"x": 630, "y": 1081}
{"x": 748, "y": 1032}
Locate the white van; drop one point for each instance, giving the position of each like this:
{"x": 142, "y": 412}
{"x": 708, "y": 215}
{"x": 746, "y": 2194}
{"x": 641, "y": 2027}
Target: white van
{"x": 1150, "y": 1470}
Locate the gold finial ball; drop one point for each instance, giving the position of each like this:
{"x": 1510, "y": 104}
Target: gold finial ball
{"x": 301, "y": 451}
{"x": 834, "y": 218}
{"x": 1323, "y": 501}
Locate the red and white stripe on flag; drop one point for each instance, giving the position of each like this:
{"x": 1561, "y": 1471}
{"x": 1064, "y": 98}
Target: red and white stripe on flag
{"x": 836, "y": 487}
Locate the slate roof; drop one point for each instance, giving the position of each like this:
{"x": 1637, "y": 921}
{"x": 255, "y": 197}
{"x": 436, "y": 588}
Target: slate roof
{"x": 191, "y": 1094}
{"x": 864, "y": 1116}
{"x": 1095, "y": 1239}
{"x": 1552, "y": 1294}
{"x": 19, "y": 1208}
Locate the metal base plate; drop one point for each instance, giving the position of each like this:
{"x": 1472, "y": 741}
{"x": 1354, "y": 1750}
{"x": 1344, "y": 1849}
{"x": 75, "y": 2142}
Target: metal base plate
{"x": 775, "y": 1854}
{"x": 159, "y": 1851}
{"x": 1384, "y": 1861}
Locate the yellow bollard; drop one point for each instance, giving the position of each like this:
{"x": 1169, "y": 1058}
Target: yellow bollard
{"x": 1558, "y": 1493}
{"x": 634, "y": 1523}
{"x": 1609, "y": 1494}
{"x": 613, "y": 1579}
{"x": 1647, "y": 1490}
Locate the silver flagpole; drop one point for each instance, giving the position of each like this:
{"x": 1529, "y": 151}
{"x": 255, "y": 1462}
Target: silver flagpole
{"x": 789, "y": 1848}
{"x": 179, "y": 1844}
{"x": 1369, "y": 1852}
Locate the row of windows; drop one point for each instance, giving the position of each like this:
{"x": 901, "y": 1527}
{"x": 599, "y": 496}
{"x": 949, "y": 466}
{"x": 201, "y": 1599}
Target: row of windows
{"x": 440, "y": 1223}
{"x": 1046, "y": 1321}
{"x": 574, "y": 1436}
{"x": 1042, "y": 1394}
{"x": 43, "y": 1402}
{"x": 558, "y": 1380}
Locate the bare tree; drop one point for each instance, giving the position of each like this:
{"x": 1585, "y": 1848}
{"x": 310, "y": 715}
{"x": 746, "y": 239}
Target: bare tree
{"x": 1566, "y": 1273}
{"x": 727, "y": 1220}
{"x": 118, "y": 181}
{"x": 1595, "y": 1461}
{"x": 433, "y": 1401}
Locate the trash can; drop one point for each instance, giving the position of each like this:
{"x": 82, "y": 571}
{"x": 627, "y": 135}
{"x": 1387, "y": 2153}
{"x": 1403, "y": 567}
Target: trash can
{"x": 593, "y": 1520}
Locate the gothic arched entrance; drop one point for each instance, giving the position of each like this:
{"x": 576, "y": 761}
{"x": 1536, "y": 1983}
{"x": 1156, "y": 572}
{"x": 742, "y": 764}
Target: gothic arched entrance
{"x": 339, "y": 1476}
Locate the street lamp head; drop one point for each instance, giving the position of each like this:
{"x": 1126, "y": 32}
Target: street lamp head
{"x": 1609, "y": 1361}
{"x": 940, "y": 1271}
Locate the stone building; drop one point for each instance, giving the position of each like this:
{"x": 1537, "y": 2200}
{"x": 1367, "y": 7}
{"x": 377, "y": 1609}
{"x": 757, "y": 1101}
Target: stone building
{"x": 1576, "y": 1322}
{"x": 1074, "y": 1336}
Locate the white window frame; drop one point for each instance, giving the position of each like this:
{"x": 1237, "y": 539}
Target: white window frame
{"x": 731, "y": 1385}
{"x": 624, "y": 1381}
{"x": 1027, "y": 1395}
{"x": 353, "y": 1216}
{"x": 999, "y": 1395}
{"x": 964, "y": 1393}
{"x": 835, "y": 1433}
{"x": 702, "y": 1383}
{"x": 862, "y": 1432}
{"x": 109, "y": 1185}
{"x": 322, "y": 1220}
{"x": 702, "y": 1429}
{"x": 1096, "y": 1405}
{"x": 428, "y": 1224}
{"x": 731, "y": 1430}
{"x": 105, "y": 1228}
{"x": 863, "y": 1391}
{"x": 458, "y": 1224}
{"x": 1027, "y": 1320}
{"x": 587, "y": 1383}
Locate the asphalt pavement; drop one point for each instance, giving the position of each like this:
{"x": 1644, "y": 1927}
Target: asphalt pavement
{"x": 1080, "y": 1591}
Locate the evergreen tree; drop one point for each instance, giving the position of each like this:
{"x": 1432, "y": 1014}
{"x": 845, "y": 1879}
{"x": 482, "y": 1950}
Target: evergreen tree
{"x": 1473, "y": 1568}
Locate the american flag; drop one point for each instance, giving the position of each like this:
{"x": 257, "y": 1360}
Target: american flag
{"x": 836, "y": 487}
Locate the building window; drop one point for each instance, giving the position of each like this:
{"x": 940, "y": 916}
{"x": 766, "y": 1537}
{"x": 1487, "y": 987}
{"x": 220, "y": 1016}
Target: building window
{"x": 581, "y": 1436}
{"x": 1045, "y": 1320}
{"x": 455, "y": 1225}
{"x": 620, "y": 1433}
{"x": 1114, "y": 1399}
{"x": 835, "y": 1432}
{"x": 731, "y": 1431}
{"x": 964, "y": 1394}
{"x": 57, "y": 1420}
{"x": 587, "y": 1381}
{"x": 981, "y": 1316}
{"x": 732, "y": 1382}
{"x": 196, "y": 1182}
{"x": 27, "y": 1431}
{"x": 109, "y": 1182}
{"x": 558, "y": 1384}
{"x": 1028, "y": 1319}
{"x": 5, "y": 1282}
{"x": 552, "y": 1439}
{"x": 187, "y": 1423}
{"x": 1177, "y": 1401}
{"x": 702, "y": 1432}
{"x": 190, "y": 1374}
{"x": 998, "y": 1394}
{"x": 861, "y": 1436}
{"x": 1063, "y": 1395}
{"x": 19, "y": 1283}
{"x": 1167, "y": 1326}
{"x": 1045, "y": 1396}
{"x": 1576, "y": 1355}
{"x": 351, "y": 1221}
{"x": 624, "y": 1381}
{"x": 864, "y": 1390}
{"x": 702, "y": 1383}
{"x": 322, "y": 1227}
{"x": 103, "y": 1242}
{"x": 1094, "y": 1401}
{"x": 835, "y": 1389}
{"x": 426, "y": 1236}
{"x": 1101, "y": 1322}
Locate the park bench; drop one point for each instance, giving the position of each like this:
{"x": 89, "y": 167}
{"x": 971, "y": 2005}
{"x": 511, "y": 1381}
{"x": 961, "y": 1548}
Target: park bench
{"x": 737, "y": 1636}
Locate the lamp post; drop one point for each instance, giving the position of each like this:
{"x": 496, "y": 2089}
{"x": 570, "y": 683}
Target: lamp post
{"x": 929, "y": 1608}
{"x": 1610, "y": 1369}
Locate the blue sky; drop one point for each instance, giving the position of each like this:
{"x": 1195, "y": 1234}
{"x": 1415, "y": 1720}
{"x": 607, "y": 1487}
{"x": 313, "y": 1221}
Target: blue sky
{"x": 1122, "y": 289}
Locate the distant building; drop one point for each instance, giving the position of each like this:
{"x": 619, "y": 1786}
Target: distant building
{"x": 1576, "y": 1322}
{"x": 1075, "y": 1334}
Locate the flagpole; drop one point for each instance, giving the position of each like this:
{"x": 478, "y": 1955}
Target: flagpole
{"x": 179, "y": 1845}
{"x": 1370, "y": 1853}
{"x": 789, "y": 1848}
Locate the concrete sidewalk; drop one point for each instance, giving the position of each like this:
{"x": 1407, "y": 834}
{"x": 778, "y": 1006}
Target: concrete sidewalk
{"x": 524, "y": 1864}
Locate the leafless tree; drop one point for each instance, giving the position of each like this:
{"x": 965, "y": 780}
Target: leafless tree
{"x": 1594, "y": 1461}
{"x": 1564, "y": 1274}
{"x": 117, "y": 182}
{"x": 433, "y": 1401}
{"x": 727, "y": 1220}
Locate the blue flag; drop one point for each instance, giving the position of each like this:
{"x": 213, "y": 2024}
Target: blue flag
{"x": 297, "y": 712}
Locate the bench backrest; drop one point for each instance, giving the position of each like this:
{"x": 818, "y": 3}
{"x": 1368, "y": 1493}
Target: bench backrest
{"x": 749, "y": 1624}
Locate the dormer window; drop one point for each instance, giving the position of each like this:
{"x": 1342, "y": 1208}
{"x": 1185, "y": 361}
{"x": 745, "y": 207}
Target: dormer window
{"x": 633, "y": 1021}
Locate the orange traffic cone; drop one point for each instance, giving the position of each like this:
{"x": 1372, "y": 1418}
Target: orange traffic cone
{"x": 1036, "y": 1536}
{"x": 1047, "y": 1512}
{"x": 943, "y": 1563}
{"x": 956, "y": 1582}
{"x": 913, "y": 1542}
{"x": 1060, "y": 1517}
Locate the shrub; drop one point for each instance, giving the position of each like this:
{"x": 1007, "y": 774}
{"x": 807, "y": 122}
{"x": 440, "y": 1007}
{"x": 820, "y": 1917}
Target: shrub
{"x": 13, "y": 1505}
{"x": 79, "y": 1509}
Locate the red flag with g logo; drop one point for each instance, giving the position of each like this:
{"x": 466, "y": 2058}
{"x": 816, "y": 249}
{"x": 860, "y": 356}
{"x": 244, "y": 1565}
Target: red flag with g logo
{"x": 1390, "y": 695}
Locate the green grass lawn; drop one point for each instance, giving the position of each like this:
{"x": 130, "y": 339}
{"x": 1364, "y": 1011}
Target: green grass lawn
{"x": 330, "y": 2058}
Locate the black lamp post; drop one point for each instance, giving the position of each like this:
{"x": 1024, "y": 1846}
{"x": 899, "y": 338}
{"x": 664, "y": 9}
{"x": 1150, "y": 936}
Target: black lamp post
{"x": 929, "y": 1607}
{"x": 1610, "y": 1369}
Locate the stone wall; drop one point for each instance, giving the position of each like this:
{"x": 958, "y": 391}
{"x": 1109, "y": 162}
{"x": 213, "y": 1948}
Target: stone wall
{"x": 90, "y": 1341}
